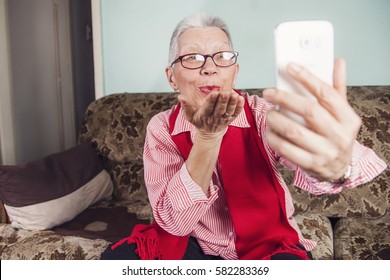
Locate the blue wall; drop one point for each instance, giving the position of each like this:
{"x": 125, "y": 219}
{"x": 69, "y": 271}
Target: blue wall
{"x": 136, "y": 36}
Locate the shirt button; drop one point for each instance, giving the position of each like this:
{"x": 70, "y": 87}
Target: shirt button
{"x": 231, "y": 234}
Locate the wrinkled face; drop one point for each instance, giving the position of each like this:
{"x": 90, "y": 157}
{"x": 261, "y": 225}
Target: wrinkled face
{"x": 196, "y": 84}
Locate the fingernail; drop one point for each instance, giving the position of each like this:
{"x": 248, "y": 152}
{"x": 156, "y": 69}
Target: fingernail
{"x": 294, "y": 68}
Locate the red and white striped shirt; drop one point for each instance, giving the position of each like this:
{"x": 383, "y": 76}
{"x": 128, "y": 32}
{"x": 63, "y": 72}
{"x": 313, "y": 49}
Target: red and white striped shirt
{"x": 181, "y": 207}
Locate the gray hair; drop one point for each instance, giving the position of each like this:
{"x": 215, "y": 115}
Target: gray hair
{"x": 196, "y": 20}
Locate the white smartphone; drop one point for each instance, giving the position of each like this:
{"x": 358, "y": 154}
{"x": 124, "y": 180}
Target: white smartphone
{"x": 309, "y": 44}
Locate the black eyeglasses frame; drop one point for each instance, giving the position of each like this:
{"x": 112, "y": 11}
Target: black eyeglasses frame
{"x": 180, "y": 59}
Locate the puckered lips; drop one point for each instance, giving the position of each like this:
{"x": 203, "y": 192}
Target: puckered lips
{"x": 209, "y": 89}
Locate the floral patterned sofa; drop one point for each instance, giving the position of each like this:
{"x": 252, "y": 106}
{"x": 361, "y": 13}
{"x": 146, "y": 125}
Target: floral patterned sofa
{"x": 354, "y": 224}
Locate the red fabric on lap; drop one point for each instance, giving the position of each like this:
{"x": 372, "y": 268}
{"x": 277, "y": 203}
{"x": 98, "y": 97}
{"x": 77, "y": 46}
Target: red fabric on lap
{"x": 155, "y": 243}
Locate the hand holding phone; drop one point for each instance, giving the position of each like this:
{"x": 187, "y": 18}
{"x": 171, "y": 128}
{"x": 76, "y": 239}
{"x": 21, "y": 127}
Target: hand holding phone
{"x": 309, "y": 44}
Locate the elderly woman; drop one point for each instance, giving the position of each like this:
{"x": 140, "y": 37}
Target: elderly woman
{"x": 210, "y": 161}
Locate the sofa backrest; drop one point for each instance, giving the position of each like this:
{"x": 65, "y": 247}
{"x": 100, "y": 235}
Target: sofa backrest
{"x": 116, "y": 124}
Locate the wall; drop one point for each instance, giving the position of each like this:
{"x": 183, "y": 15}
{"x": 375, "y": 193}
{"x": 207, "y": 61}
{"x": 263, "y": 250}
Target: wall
{"x": 136, "y": 34}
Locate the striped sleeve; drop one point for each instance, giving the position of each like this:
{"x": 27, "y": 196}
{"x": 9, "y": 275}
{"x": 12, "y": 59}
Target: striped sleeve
{"x": 178, "y": 203}
{"x": 365, "y": 166}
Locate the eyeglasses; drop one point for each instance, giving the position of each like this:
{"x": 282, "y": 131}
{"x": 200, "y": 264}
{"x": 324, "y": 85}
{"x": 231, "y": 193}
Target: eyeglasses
{"x": 197, "y": 60}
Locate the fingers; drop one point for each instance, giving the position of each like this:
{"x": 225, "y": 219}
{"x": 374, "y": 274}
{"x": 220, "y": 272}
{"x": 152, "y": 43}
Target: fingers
{"x": 188, "y": 110}
{"x": 229, "y": 105}
{"x": 208, "y": 107}
{"x": 330, "y": 97}
{"x": 239, "y": 106}
{"x": 321, "y": 156}
{"x": 323, "y": 126}
{"x": 224, "y": 106}
{"x": 217, "y": 111}
{"x": 324, "y": 147}
{"x": 296, "y": 134}
{"x": 316, "y": 117}
{"x": 340, "y": 77}
{"x": 333, "y": 99}
{"x": 313, "y": 162}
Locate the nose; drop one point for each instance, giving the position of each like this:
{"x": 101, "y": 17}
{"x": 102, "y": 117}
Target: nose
{"x": 209, "y": 68}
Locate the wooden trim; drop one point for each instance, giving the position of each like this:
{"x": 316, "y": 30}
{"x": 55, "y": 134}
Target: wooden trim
{"x": 63, "y": 65}
{"x": 97, "y": 48}
{"x": 7, "y": 144}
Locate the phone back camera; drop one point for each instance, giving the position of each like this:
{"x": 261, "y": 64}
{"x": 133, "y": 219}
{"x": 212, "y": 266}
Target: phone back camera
{"x": 309, "y": 42}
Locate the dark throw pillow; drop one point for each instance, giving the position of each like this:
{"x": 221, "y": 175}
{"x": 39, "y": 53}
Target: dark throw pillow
{"x": 53, "y": 190}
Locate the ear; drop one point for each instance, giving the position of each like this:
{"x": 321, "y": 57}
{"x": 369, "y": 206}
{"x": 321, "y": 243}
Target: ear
{"x": 171, "y": 77}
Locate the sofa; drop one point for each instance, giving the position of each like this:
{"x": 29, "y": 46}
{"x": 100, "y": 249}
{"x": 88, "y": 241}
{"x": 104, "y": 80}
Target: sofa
{"x": 354, "y": 224}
